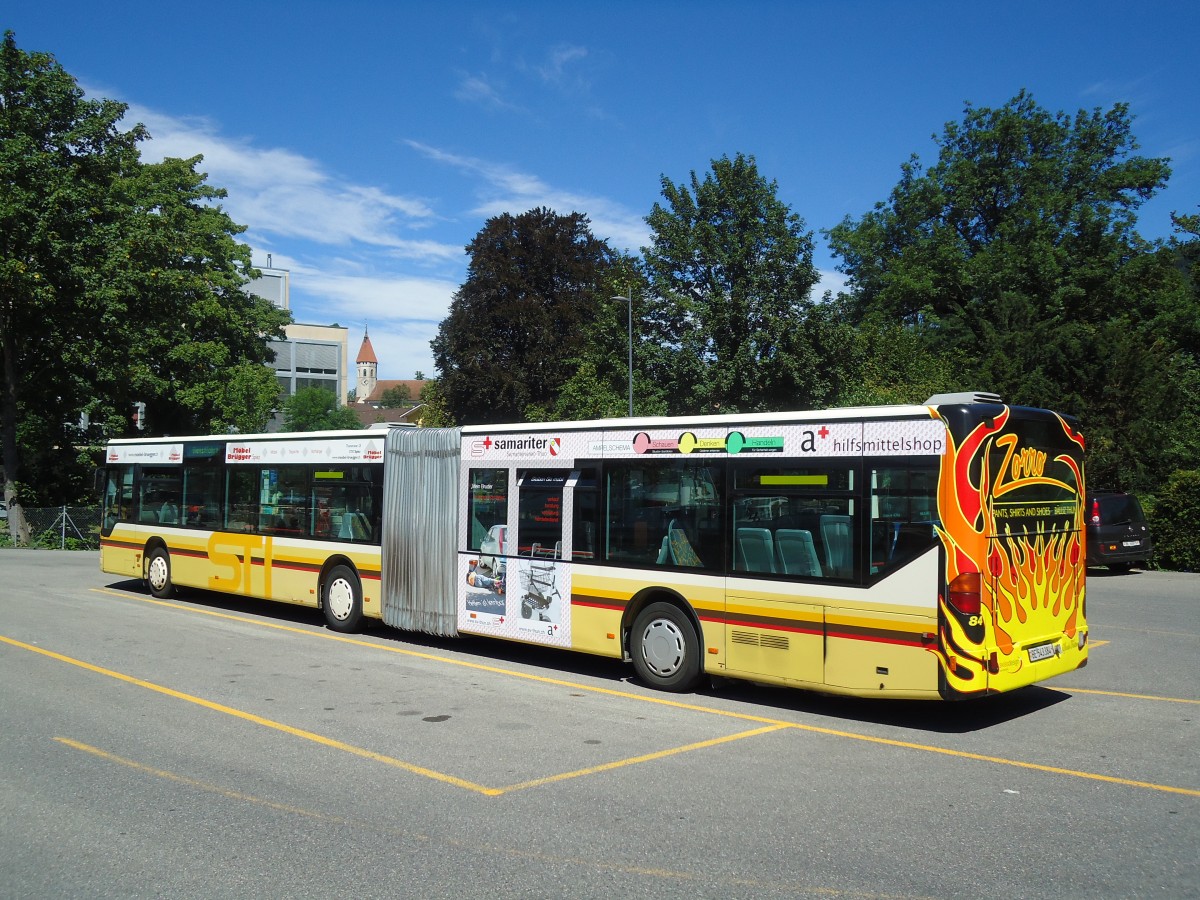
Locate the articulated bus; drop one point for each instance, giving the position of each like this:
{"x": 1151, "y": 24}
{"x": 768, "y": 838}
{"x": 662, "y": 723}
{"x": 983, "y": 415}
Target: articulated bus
{"x": 924, "y": 551}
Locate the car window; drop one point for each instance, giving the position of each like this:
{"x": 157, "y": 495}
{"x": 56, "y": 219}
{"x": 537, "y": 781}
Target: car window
{"x": 1117, "y": 509}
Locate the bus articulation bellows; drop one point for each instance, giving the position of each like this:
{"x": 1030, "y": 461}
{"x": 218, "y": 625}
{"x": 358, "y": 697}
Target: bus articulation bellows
{"x": 919, "y": 551}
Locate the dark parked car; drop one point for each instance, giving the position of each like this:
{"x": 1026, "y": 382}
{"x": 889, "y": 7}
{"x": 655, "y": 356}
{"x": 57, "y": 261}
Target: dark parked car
{"x": 1117, "y": 533}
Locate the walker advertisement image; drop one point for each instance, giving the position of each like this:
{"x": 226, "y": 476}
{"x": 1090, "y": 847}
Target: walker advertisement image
{"x": 522, "y": 597}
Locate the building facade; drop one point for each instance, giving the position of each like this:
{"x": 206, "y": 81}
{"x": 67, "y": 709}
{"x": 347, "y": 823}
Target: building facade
{"x": 309, "y": 355}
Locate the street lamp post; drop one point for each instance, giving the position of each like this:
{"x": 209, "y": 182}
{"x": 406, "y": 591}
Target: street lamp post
{"x": 629, "y": 300}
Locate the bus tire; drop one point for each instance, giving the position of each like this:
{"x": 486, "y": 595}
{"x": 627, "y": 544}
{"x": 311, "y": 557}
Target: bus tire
{"x": 341, "y": 599}
{"x": 158, "y": 574}
{"x": 665, "y": 648}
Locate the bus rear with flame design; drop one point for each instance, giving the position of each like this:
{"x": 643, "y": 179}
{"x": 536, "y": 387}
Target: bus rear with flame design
{"x": 1011, "y": 609}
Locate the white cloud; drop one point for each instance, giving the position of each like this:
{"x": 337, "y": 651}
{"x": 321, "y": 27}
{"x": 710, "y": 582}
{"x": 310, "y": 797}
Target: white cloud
{"x": 477, "y": 89}
{"x": 282, "y": 193}
{"x": 402, "y": 312}
{"x": 504, "y": 189}
{"x": 554, "y": 70}
{"x": 830, "y": 281}
{"x": 297, "y": 211}
{"x": 348, "y": 297}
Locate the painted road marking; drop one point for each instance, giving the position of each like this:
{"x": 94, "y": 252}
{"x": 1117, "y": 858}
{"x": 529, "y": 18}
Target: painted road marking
{"x": 706, "y": 878}
{"x": 775, "y": 724}
{"x": 380, "y": 757}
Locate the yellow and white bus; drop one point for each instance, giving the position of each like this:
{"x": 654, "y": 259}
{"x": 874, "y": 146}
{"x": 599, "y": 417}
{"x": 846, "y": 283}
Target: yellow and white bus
{"x": 920, "y": 551}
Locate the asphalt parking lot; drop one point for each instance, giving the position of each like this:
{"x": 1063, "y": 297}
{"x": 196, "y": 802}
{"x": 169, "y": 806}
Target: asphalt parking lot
{"x": 212, "y": 747}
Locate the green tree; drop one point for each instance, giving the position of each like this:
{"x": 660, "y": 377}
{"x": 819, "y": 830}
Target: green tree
{"x": 873, "y": 363}
{"x": 1175, "y": 522}
{"x": 434, "y": 411}
{"x": 199, "y": 343}
{"x": 316, "y": 409}
{"x": 598, "y": 387}
{"x": 1017, "y": 252}
{"x": 395, "y": 397}
{"x": 119, "y": 281}
{"x": 730, "y": 274}
{"x": 533, "y": 285}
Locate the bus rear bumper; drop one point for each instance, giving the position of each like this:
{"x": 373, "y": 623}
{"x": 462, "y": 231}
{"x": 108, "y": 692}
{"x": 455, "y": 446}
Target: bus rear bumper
{"x": 1036, "y": 661}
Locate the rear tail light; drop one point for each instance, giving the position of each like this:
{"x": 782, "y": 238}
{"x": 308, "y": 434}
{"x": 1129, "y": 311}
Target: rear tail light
{"x": 964, "y": 593}
{"x": 1095, "y": 512}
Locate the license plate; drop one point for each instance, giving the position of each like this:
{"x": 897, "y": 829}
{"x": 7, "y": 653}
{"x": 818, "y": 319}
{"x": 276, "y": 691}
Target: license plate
{"x": 1045, "y": 651}
{"x": 1131, "y": 543}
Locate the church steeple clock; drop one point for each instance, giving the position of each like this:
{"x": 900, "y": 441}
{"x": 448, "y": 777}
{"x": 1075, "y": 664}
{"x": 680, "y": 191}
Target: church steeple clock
{"x": 368, "y": 370}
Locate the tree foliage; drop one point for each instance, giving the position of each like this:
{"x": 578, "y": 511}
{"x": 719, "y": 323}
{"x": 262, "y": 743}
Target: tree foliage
{"x": 730, "y": 272}
{"x": 533, "y": 285}
{"x": 316, "y": 409}
{"x": 598, "y": 387}
{"x": 119, "y": 281}
{"x": 1175, "y": 522}
{"x": 1017, "y": 252}
{"x": 434, "y": 412}
{"x": 395, "y": 397}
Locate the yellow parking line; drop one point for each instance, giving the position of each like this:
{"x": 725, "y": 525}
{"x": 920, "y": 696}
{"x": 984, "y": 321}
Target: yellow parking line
{"x": 661, "y": 701}
{"x": 1000, "y": 760}
{"x": 200, "y": 785}
{"x": 258, "y": 720}
{"x": 647, "y": 757}
{"x": 757, "y": 886}
{"x": 1074, "y": 690}
{"x": 369, "y": 754}
{"x": 434, "y": 657}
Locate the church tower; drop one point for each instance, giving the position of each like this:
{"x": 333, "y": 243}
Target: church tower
{"x": 368, "y": 370}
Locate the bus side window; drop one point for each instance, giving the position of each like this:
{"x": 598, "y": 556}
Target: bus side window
{"x": 903, "y": 514}
{"x": 283, "y": 500}
{"x": 796, "y": 521}
{"x": 118, "y": 497}
{"x": 487, "y": 523}
{"x": 201, "y": 506}
{"x": 241, "y": 496}
{"x": 539, "y": 512}
{"x": 584, "y": 525}
{"x": 159, "y": 495}
{"x": 663, "y": 512}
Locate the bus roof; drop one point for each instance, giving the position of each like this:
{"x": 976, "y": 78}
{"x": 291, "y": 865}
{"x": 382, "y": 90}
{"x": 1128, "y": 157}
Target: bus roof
{"x": 820, "y": 415}
{"x": 275, "y": 436}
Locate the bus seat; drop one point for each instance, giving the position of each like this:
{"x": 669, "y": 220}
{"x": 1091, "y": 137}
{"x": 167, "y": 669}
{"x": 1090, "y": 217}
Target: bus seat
{"x": 682, "y": 553}
{"x": 148, "y": 517}
{"x": 837, "y": 535}
{"x": 797, "y": 553}
{"x": 354, "y": 527}
{"x": 755, "y": 550}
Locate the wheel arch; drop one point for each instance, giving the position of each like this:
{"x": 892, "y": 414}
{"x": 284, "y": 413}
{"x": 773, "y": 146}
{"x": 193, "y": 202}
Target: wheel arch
{"x": 154, "y": 542}
{"x": 338, "y": 559}
{"x": 655, "y": 594}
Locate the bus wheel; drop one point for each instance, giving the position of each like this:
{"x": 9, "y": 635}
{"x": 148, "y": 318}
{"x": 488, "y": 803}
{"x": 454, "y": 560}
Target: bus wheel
{"x": 342, "y": 600}
{"x": 665, "y": 648}
{"x": 158, "y": 574}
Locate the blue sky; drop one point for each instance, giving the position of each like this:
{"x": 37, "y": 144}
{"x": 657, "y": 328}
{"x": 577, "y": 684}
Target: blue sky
{"x": 366, "y": 143}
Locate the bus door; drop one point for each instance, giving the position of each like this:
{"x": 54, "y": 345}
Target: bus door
{"x": 790, "y": 530}
{"x": 537, "y": 577}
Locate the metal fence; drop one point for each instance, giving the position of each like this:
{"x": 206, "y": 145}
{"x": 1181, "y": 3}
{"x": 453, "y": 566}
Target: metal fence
{"x": 59, "y": 528}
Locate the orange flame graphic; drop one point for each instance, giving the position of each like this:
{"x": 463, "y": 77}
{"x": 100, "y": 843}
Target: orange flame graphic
{"x": 1032, "y": 583}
